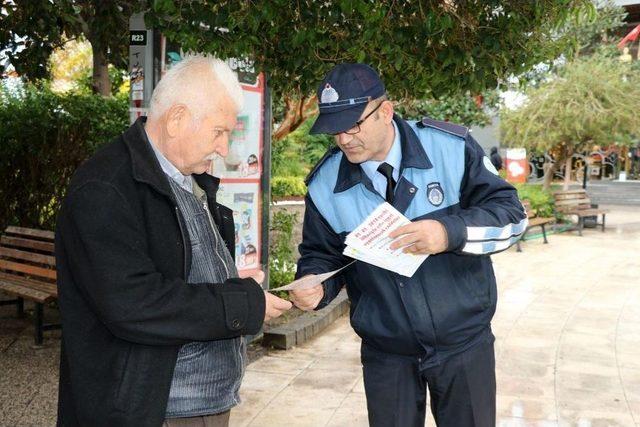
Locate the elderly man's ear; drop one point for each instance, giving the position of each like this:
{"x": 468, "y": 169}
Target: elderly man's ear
{"x": 178, "y": 116}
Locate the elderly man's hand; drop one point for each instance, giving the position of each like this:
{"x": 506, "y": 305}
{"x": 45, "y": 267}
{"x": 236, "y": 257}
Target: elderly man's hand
{"x": 274, "y": 306}
{"x": 257, "y": 275}
{"x": 421, "y": 237}
{"x": 307, "y": 299}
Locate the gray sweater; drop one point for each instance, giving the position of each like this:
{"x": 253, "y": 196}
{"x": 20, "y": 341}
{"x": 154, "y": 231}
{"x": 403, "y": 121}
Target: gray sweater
{"x": 208, "y": 374}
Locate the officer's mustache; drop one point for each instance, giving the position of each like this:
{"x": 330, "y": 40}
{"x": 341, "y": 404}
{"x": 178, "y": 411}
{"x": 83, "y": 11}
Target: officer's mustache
{"x": 355, "y": 142}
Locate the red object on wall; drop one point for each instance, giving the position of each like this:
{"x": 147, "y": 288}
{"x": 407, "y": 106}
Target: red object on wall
{"x": 517, "y": 165}
{"x": 631, "y": 37}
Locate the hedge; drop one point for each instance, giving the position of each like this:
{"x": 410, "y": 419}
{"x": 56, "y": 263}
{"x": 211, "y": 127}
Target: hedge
{"x": 541, "y": 200}
{"x": 44, "y": 137}
{"x": 288, "y": 186}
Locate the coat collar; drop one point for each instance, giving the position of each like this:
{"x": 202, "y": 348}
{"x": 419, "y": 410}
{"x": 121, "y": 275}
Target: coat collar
{"x": 145, "y": 166}
{"x": 413, "y": 156}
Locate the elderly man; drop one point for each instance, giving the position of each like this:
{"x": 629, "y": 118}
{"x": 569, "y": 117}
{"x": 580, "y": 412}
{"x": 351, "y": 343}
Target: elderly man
{"x": 433, "y": 329}
{"x": 153, "y": 310}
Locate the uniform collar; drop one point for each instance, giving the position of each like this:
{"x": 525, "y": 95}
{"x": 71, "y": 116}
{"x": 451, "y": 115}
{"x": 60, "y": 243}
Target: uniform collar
{"x": 413, "y": 156}
{"x": 394, "y": 157}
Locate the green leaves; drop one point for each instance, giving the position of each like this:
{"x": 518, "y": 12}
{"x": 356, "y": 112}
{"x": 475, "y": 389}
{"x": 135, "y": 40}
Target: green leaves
{"x": 541, "y": 200}
{"x": 282, "y": 262}
{"x": 30, "y": 41}
{"x": 297, "y": 153}
{"x": 288, "y": 186}
{"x": 48, "y": 137}
{"x": 418, "y": 48}
{"x": 164, "y": 6}
{"x": 593, "y": 101}
{"x": 460, "y": 108}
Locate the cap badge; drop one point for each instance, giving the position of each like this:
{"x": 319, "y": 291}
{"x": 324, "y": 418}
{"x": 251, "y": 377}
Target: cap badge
{"x": 329, "y": 94}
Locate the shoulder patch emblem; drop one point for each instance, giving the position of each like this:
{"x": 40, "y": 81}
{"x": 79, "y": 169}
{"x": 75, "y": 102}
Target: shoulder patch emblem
{"x": 435, "y": 195}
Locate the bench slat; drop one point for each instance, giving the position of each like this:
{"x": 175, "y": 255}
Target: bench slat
{"x": 31, "y": 232}
{"x": 565, "y": 208}
{"x": 573, "y": 202}
{"x": 28, "y": 269}
{"x": 533, "y": 222}
{"x": 25, "y": 292}
{"x": 27, "y": 243}
{"x": 569, "y": 192}
{"x": 573, "y": 211}
{"x": 28, "y": 256}
{"x": 588, "y": 212}
{"x": 582, "y": 197}
{"x": 46, "y": 287}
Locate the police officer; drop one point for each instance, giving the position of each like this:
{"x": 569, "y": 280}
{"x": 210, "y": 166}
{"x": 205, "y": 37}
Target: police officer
{"x": 432, "y": 329}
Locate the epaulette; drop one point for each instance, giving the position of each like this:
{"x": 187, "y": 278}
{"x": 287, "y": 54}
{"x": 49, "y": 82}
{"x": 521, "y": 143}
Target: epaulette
{"x": 330, "y": 152}
{"x": 452, "y": 128}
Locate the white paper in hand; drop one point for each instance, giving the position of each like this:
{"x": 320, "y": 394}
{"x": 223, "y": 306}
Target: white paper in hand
{"x": 370, "y": 241}
{"x": 310, "y": 281}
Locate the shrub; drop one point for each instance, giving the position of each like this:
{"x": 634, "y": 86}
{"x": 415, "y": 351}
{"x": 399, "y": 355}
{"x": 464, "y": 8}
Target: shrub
{"x": 44, "y": 137}
{"x": 288, "y": 186}
{"x": 282, "y": 265}
{"x": 541, "y": 200}
{"x": 286, "y": 159}
{"x": 299, "y": 151}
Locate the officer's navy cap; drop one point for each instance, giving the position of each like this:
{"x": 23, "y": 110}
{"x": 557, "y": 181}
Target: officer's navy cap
{"x": 343, "y": 95}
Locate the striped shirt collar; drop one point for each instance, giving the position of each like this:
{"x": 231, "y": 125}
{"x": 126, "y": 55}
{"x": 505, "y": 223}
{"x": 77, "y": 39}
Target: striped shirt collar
{"x": 184, "y": 181}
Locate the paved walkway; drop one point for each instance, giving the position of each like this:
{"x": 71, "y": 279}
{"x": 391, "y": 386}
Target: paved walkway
{"x": 568, "y": 329}
{"x": 568, "y": 343}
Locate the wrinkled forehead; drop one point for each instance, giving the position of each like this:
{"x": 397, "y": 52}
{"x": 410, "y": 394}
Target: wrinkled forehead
{"x": 218, "y": 113}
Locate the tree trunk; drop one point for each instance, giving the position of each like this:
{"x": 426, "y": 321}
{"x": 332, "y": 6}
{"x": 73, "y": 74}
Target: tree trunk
{"x": 298, "y": 110}
{"x": 548, "y": 175}
{"x": 100, "y": 83}
{"x": 567, "y": 174}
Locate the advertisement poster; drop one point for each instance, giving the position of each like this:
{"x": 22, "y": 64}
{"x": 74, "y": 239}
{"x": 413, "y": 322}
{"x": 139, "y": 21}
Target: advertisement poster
{"x": 240, "y": 173}
{"x": 244, "y": 199}
{"x": 245, "y": 147}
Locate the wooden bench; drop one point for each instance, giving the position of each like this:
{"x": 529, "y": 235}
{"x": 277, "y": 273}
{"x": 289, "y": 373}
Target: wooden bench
{"x": 28, "y": 272}
{"x": 577, "y": 203}
{"x": 534, "y": 221}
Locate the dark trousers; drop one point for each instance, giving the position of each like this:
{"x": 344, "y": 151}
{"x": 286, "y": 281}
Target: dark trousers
{"x": 217, "y": 420}
{"x": 462, "y": 389}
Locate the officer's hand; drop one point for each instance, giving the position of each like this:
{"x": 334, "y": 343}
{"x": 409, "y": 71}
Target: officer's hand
{"x": 307, "y": 299}
{"x": 274, "y": 306}
{"x": 421, "y": 237}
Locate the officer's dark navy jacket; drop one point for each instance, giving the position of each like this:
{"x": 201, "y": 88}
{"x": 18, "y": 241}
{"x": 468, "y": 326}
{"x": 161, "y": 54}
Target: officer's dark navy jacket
{"x": 447, "y": 306}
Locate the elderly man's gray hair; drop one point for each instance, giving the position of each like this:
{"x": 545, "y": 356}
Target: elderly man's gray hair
{"x": 185, "y": 84}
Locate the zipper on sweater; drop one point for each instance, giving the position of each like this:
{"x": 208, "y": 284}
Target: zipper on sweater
{"x": 213, "y": 230}
{"x": 184, "y": 245}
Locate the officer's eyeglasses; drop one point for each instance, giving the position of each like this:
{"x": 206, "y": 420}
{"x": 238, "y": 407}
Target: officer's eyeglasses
{"x": 356, "y": 128}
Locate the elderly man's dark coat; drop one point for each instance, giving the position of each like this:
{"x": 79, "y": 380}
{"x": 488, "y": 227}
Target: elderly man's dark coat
{"x": 122, "y": 256}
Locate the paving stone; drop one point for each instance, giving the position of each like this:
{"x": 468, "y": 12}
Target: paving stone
{"x": 568, "y": 328}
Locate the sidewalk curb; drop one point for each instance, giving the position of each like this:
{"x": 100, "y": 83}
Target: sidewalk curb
{"x": 306, "y": 326}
